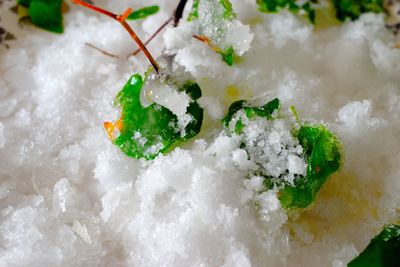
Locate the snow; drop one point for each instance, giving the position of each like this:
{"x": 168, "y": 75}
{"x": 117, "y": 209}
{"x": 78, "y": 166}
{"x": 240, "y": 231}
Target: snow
{"x": 69, "y": 197}
{"x": 271, "y": 146}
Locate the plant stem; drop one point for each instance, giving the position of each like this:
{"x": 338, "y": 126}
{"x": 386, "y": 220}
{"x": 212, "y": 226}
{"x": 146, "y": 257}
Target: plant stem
{"x": 121, "y": 20}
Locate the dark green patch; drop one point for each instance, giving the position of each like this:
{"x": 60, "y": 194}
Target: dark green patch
{"x": 265, "y": 111}
{"x": 143, "y": 12}
{"x": 383, "y": 251}
{"x": 157, "y": 125}
{"x": 353, "y": 9}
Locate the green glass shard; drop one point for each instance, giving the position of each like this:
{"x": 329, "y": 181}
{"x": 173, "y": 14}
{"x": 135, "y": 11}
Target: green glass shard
{"x": 353, "y": 9}
{"x": 143, "y": 12}
{"x": 382, "y": 251}
{"x": 321, "y": 149}
{"x": 148, "y": 131}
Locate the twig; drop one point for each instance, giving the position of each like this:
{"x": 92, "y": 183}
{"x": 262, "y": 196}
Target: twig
{"x": 101, "y": 51}
{"x": 177, "y": 15}
{"x": 152, "y": 36}
{"x": 121, "y": 20}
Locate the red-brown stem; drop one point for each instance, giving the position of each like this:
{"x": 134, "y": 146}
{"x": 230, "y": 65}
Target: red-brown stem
{"x": 121, "y": 20}
{"x": 153, "y": 36}
{"x": 126, "y": 14}
{"x": 177, "y": 15}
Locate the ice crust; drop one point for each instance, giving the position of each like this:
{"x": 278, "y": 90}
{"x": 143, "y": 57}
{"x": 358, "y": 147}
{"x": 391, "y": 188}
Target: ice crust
{"x": 68, "y": 197}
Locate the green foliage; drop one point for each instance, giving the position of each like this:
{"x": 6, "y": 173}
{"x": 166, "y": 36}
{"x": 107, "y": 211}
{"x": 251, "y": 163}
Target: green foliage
{"x": 143, "y": 12}
{"x": 45, "y": 14}
{"x": 321, "y": 150}
{"x": 226, "y": 5}
{"x": 274, "y": 6}
{"x": 265, "y": 111}
{"x": 353, "y": 9}
{"x": 229, "y": 56}
{"x": 24, "y": 3}
{"x": 194, "y": 13}
{"x": 228, "y": 10}
{"x": 383, "y": 250}
{"x": 147, "y": 131}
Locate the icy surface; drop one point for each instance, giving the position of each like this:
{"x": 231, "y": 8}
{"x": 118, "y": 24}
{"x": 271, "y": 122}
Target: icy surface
{"x": 68, "y": 197}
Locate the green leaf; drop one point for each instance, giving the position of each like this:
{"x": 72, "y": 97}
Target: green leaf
{"x": 148, "y": 131}
{"x": 322, "y": 150}
{"x": 382, "y": 251}
{"x": 226, "y": 5}
{"x": 353, "y": 9}
{"x": 143, "y": 12}
{"x": 194, "y": 12}
{"x": 45, "y": 14}
{"x": 265, "y": 111}
{"x": 228, "y": 10}
{"x": 229, "y": 56}
{"x": 274, "y": 6}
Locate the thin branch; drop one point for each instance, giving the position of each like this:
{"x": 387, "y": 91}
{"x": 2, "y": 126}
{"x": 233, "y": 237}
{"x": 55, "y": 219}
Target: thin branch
{"x": 153, "y": 36}
{"x": 177, "y": 15}
{"x": 121, "y": 20}
{"x": 101, "y": 50}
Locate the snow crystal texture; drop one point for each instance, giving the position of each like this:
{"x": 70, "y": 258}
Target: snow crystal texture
{"x": 68, "y": 197}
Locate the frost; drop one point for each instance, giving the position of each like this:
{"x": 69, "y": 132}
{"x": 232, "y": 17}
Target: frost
{"x": 222, "y": 31}
{"x": 81, "y": 231}
{"x": 2, "y": 138}
{"x": 155, "y": 91}
{"x": 271, "y": 146}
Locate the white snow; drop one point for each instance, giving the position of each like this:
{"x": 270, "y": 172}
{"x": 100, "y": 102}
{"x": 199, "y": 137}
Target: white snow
{"x": 69, "y": 197}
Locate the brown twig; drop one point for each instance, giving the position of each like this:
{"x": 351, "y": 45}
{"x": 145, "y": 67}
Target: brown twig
{"x": 101, "y": 51}
{"x": 177, "y": 15}
{"x": 153, "y": 36}
{"x": 121, "y": 20}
